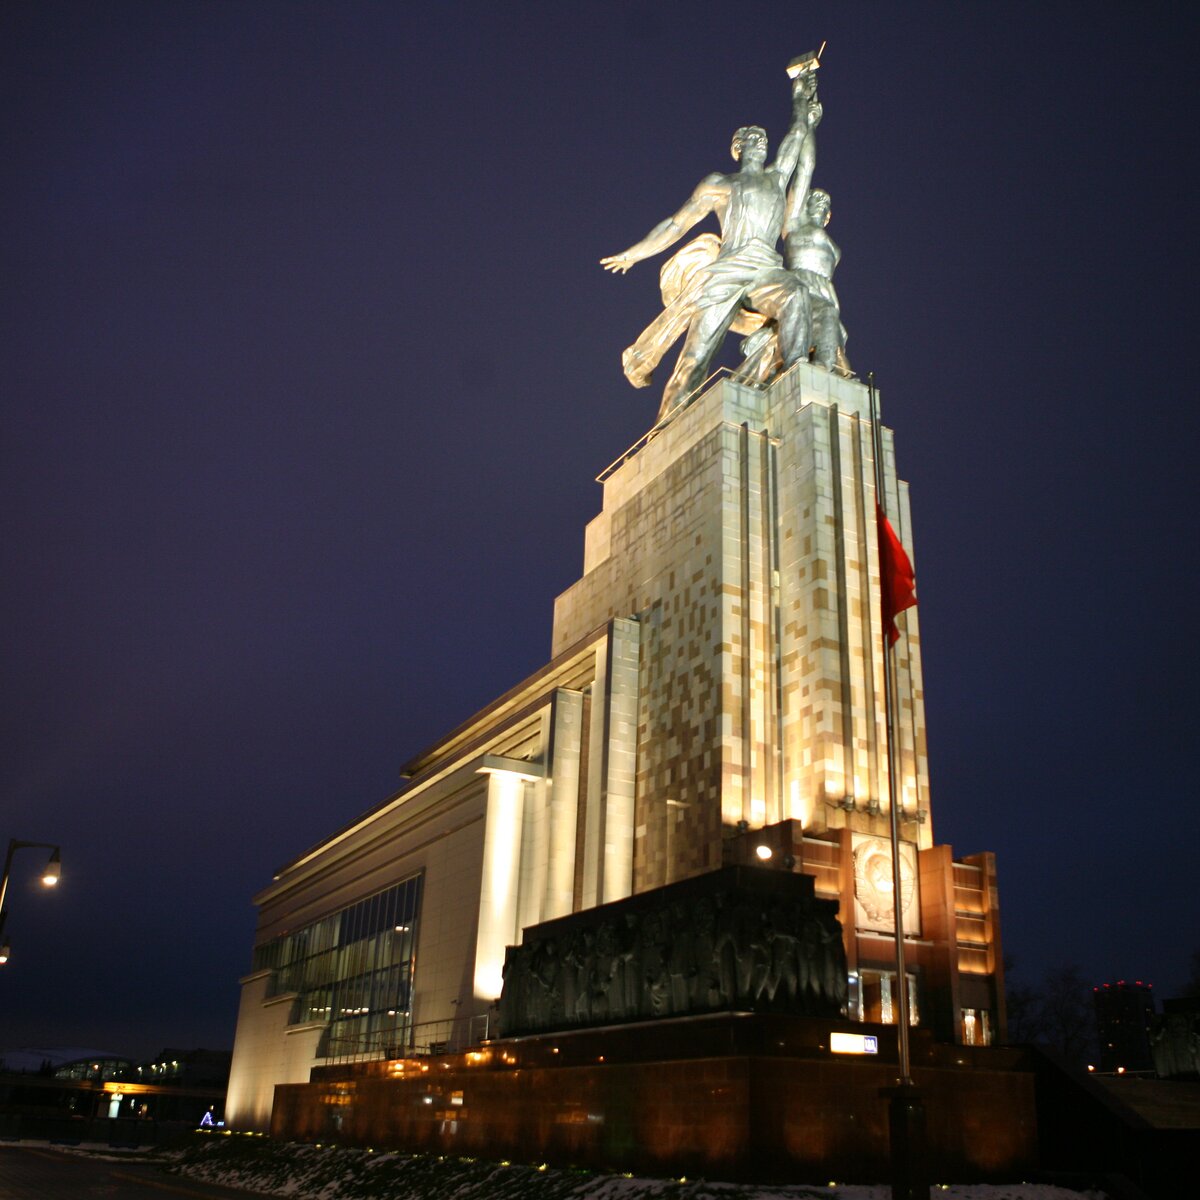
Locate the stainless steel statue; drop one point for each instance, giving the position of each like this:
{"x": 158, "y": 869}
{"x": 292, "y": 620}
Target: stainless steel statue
{"x": 811, "y": 255}
{"x": 739, "y": 281}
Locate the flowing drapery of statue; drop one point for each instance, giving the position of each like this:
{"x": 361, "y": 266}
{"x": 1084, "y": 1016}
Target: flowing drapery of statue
{"x": 739, "y": 281}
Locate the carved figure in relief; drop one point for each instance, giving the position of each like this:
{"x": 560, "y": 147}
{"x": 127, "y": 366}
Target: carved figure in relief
{"x": 713, "y": 283}
{"x": 808, "y": 961}
{"x": 572, "y": 959}
{"x": 681, "y": 962}
{"x": 747, "y": 935}
{"x": 628, "y": 939}
{"x": 545, "y": 1000}
{"x": 706, "y": 985}
{"x": 836, "y": 985}
{"x": 783, "y": 979}
{"x": 725, "y": 949}
{"x": 656, "y": 941}
{"x": 758, "y": 992}
{"x": 586, "y": 977}
{"x": 605, "y": 1001}
{"x": 725, "y": 952}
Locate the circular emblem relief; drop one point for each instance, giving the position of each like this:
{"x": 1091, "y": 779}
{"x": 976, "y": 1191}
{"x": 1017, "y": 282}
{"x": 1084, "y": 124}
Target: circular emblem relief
{"x": 873, "y": 880}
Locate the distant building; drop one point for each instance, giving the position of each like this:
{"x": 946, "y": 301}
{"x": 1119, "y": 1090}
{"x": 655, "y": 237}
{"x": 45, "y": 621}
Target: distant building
{"x": 174, "y": 1085}
{"x": 65, "y": 1062}
{"x": 1124, "y": 1016}
{"x": 41, "y": 1088}
{"x": 184, "y": 1068}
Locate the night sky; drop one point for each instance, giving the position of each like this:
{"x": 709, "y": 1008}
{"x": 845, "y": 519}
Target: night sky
{"x": 308, "y": 366}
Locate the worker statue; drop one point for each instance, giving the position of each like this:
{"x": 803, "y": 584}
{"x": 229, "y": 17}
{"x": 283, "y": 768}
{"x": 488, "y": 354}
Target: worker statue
{"x": 811, "y": 255}
{"x": 738, "y": 281}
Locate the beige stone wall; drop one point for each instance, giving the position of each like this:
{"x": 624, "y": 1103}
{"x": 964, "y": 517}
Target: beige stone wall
{"x": 254, "y": 1067}
{"x": 835, "y": 769}
{"x": 742, "y": 537}
{"x": 668, "y": 549}
{"x": 267, "y": 1051}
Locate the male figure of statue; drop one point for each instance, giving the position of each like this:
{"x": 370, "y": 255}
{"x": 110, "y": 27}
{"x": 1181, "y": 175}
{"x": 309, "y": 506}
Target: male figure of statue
{"x": 747, "y": 272}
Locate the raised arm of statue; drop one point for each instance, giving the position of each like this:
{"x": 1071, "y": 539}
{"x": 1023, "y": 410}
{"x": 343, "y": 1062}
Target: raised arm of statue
{"x": 798, "y": 152}
{"x": 666, "y": 233}
{"x": 806, "y": 116}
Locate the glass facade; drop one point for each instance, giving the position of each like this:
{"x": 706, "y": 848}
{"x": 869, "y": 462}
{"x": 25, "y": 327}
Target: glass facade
{"x": 353, "y": 969}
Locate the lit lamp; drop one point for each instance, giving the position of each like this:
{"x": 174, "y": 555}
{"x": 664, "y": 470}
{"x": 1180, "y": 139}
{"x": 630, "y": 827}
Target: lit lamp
{"x": 50, "y": 877}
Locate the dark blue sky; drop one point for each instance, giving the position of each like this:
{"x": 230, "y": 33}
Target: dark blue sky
{"x": 308, "y": 366}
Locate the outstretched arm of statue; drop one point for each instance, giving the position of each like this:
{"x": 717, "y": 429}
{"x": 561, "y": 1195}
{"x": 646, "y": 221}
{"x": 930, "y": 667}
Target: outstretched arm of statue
{"x": 798, "y": 150}
{"x": 666, "y": 233}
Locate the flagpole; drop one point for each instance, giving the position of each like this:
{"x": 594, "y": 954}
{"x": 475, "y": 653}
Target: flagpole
{"x": 893, "y": 794}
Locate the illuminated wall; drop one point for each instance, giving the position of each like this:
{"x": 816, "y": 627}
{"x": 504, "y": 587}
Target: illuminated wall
{"x": 716, "y": 670}
{"x": 522, "y": 814}
{"x": 742, "y": 536}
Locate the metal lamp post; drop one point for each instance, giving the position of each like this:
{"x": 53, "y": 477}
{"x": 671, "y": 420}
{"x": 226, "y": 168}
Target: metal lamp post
{"x": 50, "y": 877}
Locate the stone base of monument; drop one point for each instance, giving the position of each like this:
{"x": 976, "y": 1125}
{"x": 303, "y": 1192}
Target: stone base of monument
{"x": 740, "y": 1096}
{"x": 740, "y": 938}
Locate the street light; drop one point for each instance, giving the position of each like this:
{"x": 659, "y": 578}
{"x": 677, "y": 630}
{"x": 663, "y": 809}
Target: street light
{"x": 50, "y": 877}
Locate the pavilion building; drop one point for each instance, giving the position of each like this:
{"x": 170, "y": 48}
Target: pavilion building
{"x": 714, "y": 697}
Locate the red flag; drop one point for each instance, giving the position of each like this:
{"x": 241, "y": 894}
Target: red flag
{"x": 896, "y": 580}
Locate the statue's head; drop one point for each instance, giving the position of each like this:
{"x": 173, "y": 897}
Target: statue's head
{"x": 750, "y": 140}
{"x": 818, "y": 206}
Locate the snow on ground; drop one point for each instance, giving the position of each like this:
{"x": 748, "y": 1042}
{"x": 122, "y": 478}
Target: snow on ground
{"x": 334, "y": 1173}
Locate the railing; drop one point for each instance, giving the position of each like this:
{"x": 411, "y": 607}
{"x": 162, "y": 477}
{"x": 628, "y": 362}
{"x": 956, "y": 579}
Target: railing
{"x": 453, "y": 1036}
{"x": 720, "y": 373}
